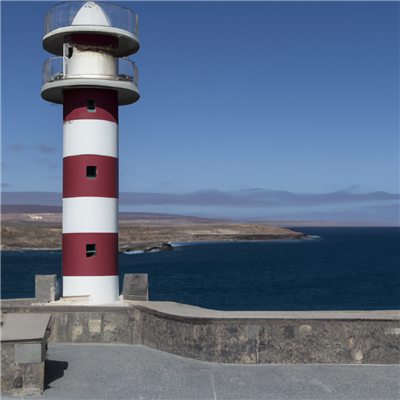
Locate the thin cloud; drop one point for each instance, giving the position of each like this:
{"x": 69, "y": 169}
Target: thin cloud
{"x": 46, "y": 161}
{"x": 43, "y": 148}
{"x": 16, "y": 148}
{"x": 254, "y": 198}
{"x": 41, "y": 198}
{"x": 245, "y": 199}
{"x": 5, "y": 185}
{"x": 40, "y": 148}
{"x": 163, "y": 185}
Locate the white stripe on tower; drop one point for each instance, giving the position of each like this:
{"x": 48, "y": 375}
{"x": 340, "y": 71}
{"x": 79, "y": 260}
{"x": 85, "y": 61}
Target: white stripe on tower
{"x": 91, "y": 136}
{"x": 90, "y": 214}
{"x": 90, "y": 194}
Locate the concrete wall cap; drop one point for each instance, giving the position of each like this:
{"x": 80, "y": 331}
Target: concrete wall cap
{"x": 18, "y": 327}
{"x": 184, "y": 310}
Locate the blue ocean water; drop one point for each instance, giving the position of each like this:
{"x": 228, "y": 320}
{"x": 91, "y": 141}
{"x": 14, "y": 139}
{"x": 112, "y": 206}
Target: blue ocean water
{"x": 343, "y": 269}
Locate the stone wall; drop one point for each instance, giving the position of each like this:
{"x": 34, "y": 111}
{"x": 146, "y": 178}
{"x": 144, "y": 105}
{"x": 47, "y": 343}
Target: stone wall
{"x": 278, "y": 337}
{"x": 273, "y": 340}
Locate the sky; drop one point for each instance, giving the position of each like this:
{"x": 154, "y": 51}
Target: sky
{"x": 277, "y": 110}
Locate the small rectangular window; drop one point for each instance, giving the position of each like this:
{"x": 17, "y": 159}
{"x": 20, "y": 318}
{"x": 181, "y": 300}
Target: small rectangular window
{"x": 91, "y": 105}
{"x": 90, "y": 250}
{"x": 91, "y": 172}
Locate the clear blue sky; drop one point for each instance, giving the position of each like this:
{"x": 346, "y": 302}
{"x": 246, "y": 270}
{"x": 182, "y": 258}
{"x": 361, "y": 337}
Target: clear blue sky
{"x": 260, "y": 109}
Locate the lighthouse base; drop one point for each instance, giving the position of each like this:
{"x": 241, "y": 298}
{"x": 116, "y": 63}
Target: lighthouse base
{"x": 101, "y": 289}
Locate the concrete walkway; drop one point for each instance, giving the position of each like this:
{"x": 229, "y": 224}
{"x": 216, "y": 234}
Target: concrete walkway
{"x": 82, "y": 371}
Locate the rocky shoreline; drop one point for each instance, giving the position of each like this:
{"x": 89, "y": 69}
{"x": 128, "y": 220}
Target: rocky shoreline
{"x": 146, "y": 247}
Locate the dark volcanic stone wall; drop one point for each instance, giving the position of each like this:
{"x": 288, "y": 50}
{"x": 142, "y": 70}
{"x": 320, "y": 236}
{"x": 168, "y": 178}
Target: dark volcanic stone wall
{"x": 229, "y": 340}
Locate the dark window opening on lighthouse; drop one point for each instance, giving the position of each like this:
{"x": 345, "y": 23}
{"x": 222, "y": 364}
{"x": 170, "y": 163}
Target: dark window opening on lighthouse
{"x": 90, "y": 250}
{"x": 91, "y": 172}
{"x": 91, "y": 105}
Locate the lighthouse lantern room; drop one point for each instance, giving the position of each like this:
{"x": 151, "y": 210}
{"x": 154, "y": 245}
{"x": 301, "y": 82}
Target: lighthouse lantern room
{"x": 91, "y": 77}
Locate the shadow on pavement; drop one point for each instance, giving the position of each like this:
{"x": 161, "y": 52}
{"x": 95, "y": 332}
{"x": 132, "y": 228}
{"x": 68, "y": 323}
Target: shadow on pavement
{"x": 53, "y": 370}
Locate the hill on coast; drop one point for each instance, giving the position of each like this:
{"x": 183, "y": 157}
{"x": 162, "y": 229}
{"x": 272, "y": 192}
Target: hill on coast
{"x": 38, "y": 227}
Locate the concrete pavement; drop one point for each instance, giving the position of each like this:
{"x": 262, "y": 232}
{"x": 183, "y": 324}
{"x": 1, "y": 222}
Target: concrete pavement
{"x": 98, "y": 371}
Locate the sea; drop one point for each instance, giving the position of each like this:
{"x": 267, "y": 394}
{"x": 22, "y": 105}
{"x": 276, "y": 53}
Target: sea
{"x": 336, "y": 268}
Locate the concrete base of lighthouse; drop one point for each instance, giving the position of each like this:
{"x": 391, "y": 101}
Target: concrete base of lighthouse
{"x": 102, "y": 289}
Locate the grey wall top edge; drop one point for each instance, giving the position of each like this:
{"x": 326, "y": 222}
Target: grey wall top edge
{"x": 179, "y": 311}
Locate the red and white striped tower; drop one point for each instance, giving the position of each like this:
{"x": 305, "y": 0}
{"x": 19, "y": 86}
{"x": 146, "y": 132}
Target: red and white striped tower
{"x": 91, "y": 81}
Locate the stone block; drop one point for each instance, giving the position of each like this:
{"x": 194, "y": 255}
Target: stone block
{"x": 28, "y": 353}
{"x": 47, "y": 288}
{"x": 135, "y": 287}
{"x": 23, "y": 351}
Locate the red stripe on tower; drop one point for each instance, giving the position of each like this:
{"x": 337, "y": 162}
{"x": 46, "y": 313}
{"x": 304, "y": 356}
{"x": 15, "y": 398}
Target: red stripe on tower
{"x": 90, "y": 104}
{"x": 90, "y": 175}
{"x": 99, "y": 261}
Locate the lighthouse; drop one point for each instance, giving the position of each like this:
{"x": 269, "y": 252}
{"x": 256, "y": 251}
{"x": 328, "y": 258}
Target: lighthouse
{"x": 91, "y": 77}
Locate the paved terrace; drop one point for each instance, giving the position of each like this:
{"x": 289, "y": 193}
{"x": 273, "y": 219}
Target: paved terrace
{"x": 103, "y": 371}
{"x": 134, "y": 349}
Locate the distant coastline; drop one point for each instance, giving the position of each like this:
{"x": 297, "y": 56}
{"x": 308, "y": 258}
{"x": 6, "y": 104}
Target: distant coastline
{"x": 137, "y": 231}
{"x": 36, "y": 227}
